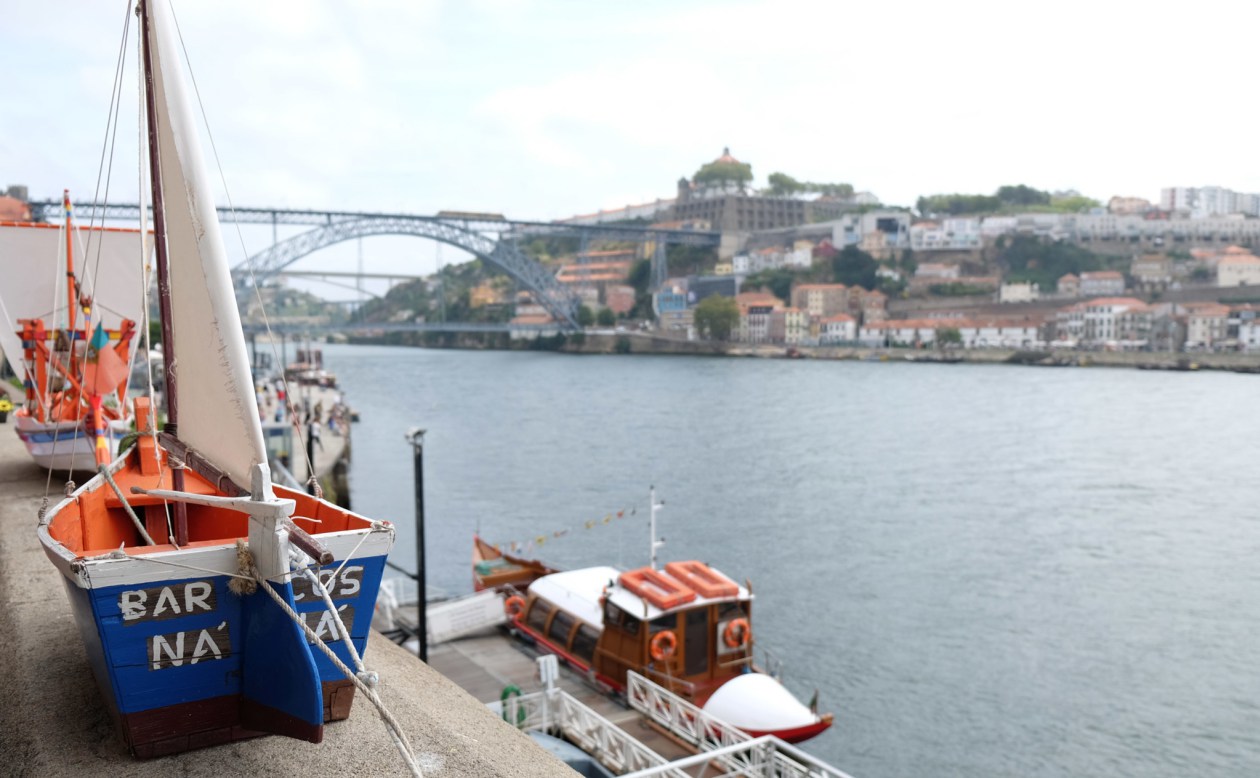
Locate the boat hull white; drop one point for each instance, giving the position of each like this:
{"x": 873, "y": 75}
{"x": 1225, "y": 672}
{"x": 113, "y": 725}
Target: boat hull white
{"x": 759, "y": 705}
{"x": 66, "y": 445}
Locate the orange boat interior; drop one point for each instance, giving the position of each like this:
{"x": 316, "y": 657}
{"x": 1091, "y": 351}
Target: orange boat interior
{"x": 97, "y": 523}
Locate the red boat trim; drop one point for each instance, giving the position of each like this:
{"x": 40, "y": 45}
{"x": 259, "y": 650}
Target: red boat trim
{"x": 796, "y": 734}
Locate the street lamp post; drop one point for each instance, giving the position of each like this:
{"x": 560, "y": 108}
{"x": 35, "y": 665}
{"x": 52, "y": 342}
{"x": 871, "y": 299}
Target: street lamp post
{"x": 415, "y": 436}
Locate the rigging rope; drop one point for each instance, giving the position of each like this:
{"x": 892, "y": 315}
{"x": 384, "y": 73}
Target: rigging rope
{"x": 362, "y": 680}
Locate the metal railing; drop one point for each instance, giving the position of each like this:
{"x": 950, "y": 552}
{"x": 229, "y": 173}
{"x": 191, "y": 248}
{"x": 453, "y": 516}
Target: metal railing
{"x": 720, "y": 745}
{"x": 556, "y": 711}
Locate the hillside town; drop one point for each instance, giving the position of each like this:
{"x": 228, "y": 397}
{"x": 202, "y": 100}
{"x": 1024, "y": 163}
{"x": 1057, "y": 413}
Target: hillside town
{"x": 1167, "y": 276}
{"x": 803, "y": 264}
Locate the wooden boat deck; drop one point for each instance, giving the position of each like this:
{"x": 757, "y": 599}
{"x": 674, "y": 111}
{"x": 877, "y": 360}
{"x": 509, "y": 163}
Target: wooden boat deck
{"x": 484, "y": 664}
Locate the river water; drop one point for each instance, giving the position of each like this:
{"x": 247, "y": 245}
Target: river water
{"x": 983, "y": 570}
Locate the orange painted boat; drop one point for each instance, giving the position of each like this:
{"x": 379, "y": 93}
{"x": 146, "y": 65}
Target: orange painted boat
{"x": 687, "y": 628}
{"x": 74, "y": 358}
{"x": 493, "y": 569}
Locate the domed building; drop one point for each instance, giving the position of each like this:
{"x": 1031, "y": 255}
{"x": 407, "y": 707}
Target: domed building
{"x": 725, "y": 203}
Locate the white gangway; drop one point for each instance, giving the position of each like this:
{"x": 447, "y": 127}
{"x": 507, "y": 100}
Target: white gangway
{"x": 719, "y": 744}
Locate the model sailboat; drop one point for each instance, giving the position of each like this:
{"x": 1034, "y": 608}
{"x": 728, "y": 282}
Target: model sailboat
{"x": 149, "y": 546}
{"x": 69, "y": 322}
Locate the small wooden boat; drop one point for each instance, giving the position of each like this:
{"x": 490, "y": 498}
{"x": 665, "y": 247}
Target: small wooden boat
{"x": 687, "y": 627}
{"x": 211, "y": 603}
{"x": 74, "y": 359}
{"x": 493, "y": 569}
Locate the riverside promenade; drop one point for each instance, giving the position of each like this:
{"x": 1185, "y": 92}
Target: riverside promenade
{"x": 53, "y": 721}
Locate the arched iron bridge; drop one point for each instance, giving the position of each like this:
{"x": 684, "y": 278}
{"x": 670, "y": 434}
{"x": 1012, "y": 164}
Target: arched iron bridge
{"x": 488, "y": 237}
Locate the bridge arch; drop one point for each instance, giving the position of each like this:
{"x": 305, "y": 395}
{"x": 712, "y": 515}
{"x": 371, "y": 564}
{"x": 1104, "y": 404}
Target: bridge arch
{"x": 502, "y": 253}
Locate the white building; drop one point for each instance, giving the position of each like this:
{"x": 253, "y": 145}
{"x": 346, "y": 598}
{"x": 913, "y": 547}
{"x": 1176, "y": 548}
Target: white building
{"x": 1018, "y": 292}
{"x": 973, "y": 333}
{"x": 1207, "y": 324}
{"x": 1238, "y": 267}
{"x": 1249, "y": 335}
{"x": 1108, "y": 322}
{"x": 936, "y": 270}
{"x": 841, "y": 328}
{"x": 1101, "y": 282}
{"x": 946, "y": 235}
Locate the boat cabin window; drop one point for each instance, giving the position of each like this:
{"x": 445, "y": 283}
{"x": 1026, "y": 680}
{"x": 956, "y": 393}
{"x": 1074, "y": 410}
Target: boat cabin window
{"x": 616, "y": 617}
{"x": 733, "y": 610}
{"x": 662, "y": 623}
{"x": 561, "y": 626}
{"x": 538, "y": 613}
{"x": 584, "y": 641}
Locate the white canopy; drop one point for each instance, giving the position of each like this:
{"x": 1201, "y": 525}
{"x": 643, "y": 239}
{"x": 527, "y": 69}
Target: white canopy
{"x": 32, "y": 270}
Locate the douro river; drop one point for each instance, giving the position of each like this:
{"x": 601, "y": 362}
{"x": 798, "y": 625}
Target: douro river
{"x": 983, "y": 570}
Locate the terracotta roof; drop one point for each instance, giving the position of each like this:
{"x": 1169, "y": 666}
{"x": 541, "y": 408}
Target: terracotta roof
{"x": 726, "y": 157}
{"x": 839, "y": 317}
{"x": 1102, "y": 275}
{"x": 14, "y": 210}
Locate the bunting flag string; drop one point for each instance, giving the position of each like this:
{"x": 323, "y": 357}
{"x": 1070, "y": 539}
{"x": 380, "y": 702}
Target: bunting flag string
{"x": 538, "y": 541}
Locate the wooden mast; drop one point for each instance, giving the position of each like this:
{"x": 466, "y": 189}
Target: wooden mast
{"x": 163, "y": 270}
{"x": 70, "y": 292}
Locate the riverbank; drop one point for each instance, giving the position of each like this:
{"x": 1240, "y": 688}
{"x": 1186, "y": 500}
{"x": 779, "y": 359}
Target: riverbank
{"x": 649, "y": 343}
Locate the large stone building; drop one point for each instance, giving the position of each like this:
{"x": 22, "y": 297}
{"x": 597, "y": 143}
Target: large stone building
{"x": 731, "y": 209}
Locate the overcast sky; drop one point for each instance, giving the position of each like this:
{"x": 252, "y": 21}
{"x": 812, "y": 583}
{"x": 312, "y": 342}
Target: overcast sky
{"x": 543, "y": 110}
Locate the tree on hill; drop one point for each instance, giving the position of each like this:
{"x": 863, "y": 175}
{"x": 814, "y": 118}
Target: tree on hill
{"x": 1043, "y": 262}
{"x": 1022, "y": 195}
{"x": 1007, "y": 199}
{"x": 781, "y": 184}
{"x": 724, "y": 172}
{"x": 778, "y": 281}
{"x": 605, "y": 317}
{"x": 716, "y": 316}
{"x": 1074, "y": 203}
{"x": 956, "y": 204}
{"x": 585, "y": 316}
{"x": 854, "y": 267}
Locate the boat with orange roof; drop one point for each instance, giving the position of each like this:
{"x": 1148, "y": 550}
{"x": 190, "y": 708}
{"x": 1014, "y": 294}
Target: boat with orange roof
{"x": 687, "y": 627}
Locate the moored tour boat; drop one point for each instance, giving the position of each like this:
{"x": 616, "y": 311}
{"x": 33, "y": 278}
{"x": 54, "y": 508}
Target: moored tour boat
{"x": 206, "y": 597}
{"x": 686, "y": 627}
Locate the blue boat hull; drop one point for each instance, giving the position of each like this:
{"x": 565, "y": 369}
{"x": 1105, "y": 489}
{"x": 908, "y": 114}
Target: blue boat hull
{"x": 185, "y": 663}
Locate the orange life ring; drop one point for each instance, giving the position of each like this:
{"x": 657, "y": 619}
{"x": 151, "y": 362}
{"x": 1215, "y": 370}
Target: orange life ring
{"x": 664, "y": 644}
{"x": 514, "y": 606}
{"x": 736, "y": 633}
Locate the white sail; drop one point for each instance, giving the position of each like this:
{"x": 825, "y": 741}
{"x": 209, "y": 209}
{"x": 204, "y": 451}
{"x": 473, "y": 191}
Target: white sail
{"x": 33, "y": 261}
{"x": 218, "y": 413}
